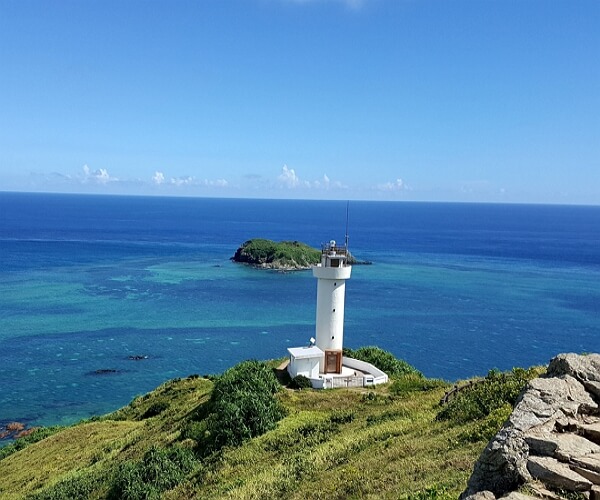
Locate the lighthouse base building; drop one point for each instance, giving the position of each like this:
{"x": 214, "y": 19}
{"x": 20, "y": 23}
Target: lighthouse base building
{"x": 322, "y": 361}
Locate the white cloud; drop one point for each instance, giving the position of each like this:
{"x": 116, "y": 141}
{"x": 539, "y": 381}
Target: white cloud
{"x": 219, "y": 183}
{"x": 100, "y": 176}
{"x": 187, "y": 180}
{"x": 288, "y": 178}
{"x": 213, "y": 183}
{"x": 397, "y": 185}
{"x": 158, "y": 178}
{"x": 291, "y": 180}
{"x": 182, "y": 181}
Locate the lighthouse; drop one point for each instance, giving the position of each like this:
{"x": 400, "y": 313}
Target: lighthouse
{"x": 322, "y": 360}
{"x": 331, "y": 273}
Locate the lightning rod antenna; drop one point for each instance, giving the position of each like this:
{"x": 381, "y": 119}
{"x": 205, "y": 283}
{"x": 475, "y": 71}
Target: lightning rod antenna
{"x": 347, "y": 215}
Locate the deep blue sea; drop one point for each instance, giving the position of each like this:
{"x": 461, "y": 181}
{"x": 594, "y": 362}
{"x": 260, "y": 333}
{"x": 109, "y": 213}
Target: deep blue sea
{"x": 455, "y": 289}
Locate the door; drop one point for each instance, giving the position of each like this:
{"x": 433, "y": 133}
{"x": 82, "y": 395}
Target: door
{"x": 333, "y": 361}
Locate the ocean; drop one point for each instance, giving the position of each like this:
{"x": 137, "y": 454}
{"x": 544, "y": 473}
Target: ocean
{"x": 87, "y": 282}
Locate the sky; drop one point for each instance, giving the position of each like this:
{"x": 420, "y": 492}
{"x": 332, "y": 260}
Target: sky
{"x": 425, "y": 100}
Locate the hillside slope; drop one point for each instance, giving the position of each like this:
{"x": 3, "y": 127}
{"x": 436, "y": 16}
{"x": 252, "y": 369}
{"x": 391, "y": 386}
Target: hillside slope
{"x": 382, "y": 442}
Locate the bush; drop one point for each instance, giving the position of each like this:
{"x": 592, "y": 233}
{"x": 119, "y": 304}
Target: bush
{"x": 342, "y": 416}
{"x": 493, "y": 392}
{"x": 383, "y": 360}
{"x": 432, "y": 493}
{"x": 160, "y": 470}
{"x": 300, "y": 382}
{"x": 242, "y": 406}
{"x": 307, "y": 435}
{"x": 413, "y": 383}
{"x": 487, "y": 428}
{"x": 241, "y": 416}
{"x": 80, "y": 485}
{"x": 386, "y": 416}
{"x": 155, "y": 409}
{"x": 247, "y": 376}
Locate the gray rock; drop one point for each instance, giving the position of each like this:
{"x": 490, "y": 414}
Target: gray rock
{"x": 515, "y": 495}
{"x": 585, "y": 368}
{"x": 593, "y": 387}
{"x": 481, "y": 495}
{"x": 590, "y": 462}
{"x": 547, "y": 399}
{"x": 560, "y": 446}
{"x": 556, "y": 402}
{"x": 540, "y": 491}
{"x": 592, "y": 476}
{"x": 554, "y": 473}
{"x": 502, "y": 466}
{"x": 591, "y": 431}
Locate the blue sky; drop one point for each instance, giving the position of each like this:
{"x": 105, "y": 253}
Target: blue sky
{"x": 446, "y": 100}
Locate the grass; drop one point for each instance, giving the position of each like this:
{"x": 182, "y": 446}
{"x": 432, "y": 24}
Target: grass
{"x": 382, "y": 442}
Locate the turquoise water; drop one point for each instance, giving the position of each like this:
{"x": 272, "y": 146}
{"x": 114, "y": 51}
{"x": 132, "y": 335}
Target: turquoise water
{"x": 86, "y": 282}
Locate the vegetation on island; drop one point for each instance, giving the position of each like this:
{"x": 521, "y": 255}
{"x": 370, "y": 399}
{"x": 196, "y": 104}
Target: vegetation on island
{"x": 277, "y": 255}
{"x": 244, "y": 435}
{"x": 282, "y": 255}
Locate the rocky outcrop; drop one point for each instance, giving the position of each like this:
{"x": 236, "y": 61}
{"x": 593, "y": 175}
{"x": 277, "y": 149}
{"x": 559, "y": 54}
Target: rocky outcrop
{"x": 551, "y": 441}
{"x": 15, "y": 430}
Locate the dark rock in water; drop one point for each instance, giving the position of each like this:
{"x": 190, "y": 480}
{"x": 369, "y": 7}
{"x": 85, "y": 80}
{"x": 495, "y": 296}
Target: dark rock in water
{"x": 104, "y": 371}
{"x": 15, "y": 430}
{"x": 353, "y": 261}
{"x": 137, "y": 357}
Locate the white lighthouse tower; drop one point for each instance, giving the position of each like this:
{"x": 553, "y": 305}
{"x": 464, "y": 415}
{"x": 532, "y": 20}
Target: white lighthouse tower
{"x": 322, "y": 361}
{"x": 331, "y": 273}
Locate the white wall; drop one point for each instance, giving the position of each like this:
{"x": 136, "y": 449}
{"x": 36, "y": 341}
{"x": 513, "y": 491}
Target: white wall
{"x": 330, "y": 314}
{"x": 309, "y": 367}
{"x": 379, "y": 377}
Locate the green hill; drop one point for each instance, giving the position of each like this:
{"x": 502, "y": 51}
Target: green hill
{"x": 277, "y": 255}
{"x": 282, "y": 255}
{"x": 253, "y": 438}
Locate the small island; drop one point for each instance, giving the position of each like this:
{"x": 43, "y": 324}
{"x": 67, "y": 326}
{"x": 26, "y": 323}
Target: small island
{"x": 282, "y": 255}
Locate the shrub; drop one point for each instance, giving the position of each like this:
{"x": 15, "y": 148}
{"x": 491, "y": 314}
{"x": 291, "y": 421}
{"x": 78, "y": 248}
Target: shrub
{"x": 242, "y": 406}
{"x": 154, "y": 409}
{"x": 432, "y": 493}
{"x": 487, "y": 428}
{"x": 160, "y": 470}
{"x": 308, "y": 434}
{"x": 413, "y": 383}
{"x": 300, "y": 382}
{"x": 386, "y": 416}
{"x": 80, "y": 485}
{"x": 342, "y": 416}
{"x": 383, "y": 360}
{"x": 493, "y": 392}
{"x": 194, "y": 430}
{"x": 247, "y": 376}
